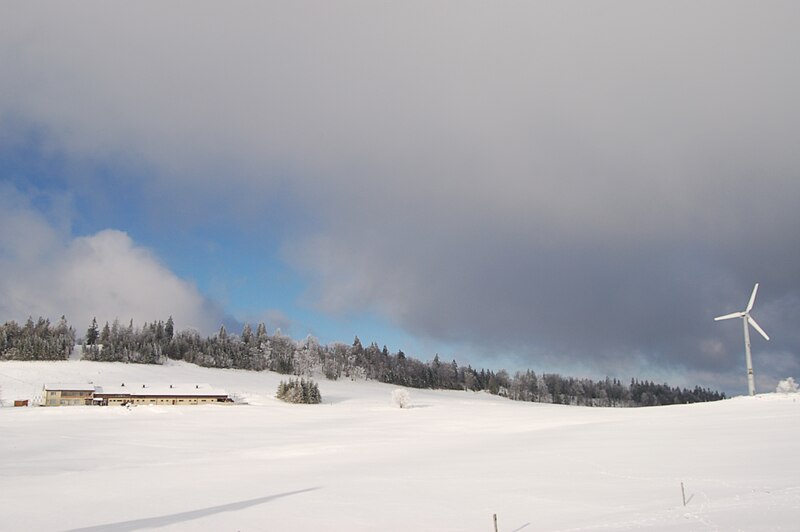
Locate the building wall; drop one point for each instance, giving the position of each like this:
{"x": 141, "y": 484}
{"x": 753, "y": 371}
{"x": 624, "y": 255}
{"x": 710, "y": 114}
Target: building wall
{"x": 52, "y": 397}
{"x": 161, "y": 400}
{"x": 66, "y": 398}
{"x": 75, "y": 398}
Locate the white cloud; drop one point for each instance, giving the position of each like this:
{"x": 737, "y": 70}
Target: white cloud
{"x": 44, "y": 272}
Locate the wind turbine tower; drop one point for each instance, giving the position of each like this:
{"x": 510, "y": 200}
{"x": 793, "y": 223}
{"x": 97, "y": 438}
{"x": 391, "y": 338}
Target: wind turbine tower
{"x": 747, "y": 321}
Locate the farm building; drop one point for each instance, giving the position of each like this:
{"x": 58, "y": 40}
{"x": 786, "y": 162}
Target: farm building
{"x": 159, "y": 394}
{"x": 67, "y": 394}
{"x": 135, "y": 394}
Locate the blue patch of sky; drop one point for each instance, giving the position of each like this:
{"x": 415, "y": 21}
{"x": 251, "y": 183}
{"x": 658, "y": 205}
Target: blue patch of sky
{"x": 238, "y": 267}
{"x": 24, "y": 165}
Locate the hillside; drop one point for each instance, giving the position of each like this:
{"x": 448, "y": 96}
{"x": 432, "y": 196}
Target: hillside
{"x": 358, "y": 463}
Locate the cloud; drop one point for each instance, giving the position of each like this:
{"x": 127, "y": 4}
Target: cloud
{"x": 579, "y": 184}
{"x": 44, "y": 272}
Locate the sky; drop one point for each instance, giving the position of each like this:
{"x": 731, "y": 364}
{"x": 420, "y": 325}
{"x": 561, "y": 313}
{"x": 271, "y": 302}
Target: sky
{"x": 564, "y": 186}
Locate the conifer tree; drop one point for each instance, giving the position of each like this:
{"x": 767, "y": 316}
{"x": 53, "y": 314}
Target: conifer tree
{"x": 105, "y": 334}
{"x": 261, "y": 333}
{"x": 92, "y": 333}
{"x": 169, "y": 328}
{"x": 247, "y": 334}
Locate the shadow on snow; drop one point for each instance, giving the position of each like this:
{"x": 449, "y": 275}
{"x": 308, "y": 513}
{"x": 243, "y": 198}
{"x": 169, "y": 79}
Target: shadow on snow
{"x": 170, "y": 519}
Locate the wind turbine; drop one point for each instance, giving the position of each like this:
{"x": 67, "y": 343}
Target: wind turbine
{"x": 747, "y": 319}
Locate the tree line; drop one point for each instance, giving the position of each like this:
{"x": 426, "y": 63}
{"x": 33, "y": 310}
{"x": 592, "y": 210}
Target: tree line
{"x": 40, "y": 340}
{"x": 256, "y": 350}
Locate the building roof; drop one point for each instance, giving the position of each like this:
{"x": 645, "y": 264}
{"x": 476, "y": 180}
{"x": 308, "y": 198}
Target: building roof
{"x": 69, "y": 387}
{"x": 161, "y": 390}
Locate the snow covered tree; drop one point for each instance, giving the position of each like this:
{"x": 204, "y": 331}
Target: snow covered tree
{"x": 92, "y": 333}
{"x": 261, "y": 333}
{"x": 401, "y": 398}
{"x": 105, "y": 334}
{"x": 308, "y": 357}
{"x": 357, "y": 348}
{"x": 36, "y": 340}
{"x": 247, "y": 334}
{"x": 169, "y": 329}
{"x": 787, "y": 386}
{"x": 299, "y": 391}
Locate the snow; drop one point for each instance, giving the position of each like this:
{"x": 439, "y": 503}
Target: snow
{"x": 70, "y": 387}
{"x": 160, "y": 389}
{"x": 357, "y": 462}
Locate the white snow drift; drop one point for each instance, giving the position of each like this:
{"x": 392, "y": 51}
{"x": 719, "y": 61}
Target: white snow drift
{"x": 359, "y": 463}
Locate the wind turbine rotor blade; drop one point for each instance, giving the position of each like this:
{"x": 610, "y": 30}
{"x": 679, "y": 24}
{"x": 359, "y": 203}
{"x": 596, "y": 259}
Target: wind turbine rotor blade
{"x": 729, "y": 316}
{"x": 755, "y": 325}
{"x": 752, "y": 299}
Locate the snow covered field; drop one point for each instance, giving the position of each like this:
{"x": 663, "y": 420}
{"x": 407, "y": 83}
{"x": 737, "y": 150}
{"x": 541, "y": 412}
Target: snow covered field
{"x": 358, "y": 463}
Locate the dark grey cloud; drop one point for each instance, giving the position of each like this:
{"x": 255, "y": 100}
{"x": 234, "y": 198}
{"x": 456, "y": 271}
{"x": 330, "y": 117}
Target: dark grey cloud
{"x": 575, "y": 183}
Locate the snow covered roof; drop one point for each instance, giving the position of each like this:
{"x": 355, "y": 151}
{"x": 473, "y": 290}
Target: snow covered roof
{"x": 157, "y": 389}
{"x": 72, "y": 387}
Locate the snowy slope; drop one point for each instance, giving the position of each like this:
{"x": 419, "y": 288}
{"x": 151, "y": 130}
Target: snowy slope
{"x": 357, "y": 463}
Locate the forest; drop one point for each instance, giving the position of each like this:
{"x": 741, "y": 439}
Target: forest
{"x": 257, "y": 350}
